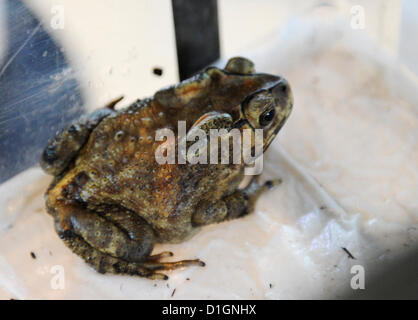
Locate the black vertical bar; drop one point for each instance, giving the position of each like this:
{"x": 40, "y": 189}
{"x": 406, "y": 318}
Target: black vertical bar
{"x": 197, "y": 35}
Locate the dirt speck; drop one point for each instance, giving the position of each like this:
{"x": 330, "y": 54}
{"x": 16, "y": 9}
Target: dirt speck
{"x": 350, "y": 256}
{"x": 157, "y": 71}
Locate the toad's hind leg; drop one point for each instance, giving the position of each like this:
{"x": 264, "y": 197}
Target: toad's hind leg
{"x": 131, "y": 222}
{"x": 116, "y": 241}
{"x": 104, "y": 263}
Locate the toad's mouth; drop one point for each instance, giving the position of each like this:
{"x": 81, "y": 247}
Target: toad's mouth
{"x": 270, "y": 138}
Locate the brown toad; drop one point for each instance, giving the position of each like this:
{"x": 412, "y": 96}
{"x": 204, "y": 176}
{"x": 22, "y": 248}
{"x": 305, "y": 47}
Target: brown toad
{"x": 111, "y": 200}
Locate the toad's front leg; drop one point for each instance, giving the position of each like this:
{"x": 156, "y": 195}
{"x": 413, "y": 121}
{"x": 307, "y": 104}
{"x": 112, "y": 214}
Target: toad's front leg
{"x": 236, "y": 205}
{"x": 242, "y": 202}
{"x": 116, "y": 241}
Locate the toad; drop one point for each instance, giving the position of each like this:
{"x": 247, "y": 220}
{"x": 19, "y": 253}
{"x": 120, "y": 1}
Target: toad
{"x": 112, "y": 201}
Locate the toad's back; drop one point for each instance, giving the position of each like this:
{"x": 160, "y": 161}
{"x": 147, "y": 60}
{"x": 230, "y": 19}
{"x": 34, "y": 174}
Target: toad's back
{"x": 117, "y": 167}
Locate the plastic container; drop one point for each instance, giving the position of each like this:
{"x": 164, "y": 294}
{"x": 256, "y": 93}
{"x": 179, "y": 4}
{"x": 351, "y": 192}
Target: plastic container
{"x": 347, "y": 156}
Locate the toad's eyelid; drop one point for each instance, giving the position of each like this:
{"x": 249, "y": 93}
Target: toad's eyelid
{"x": 249, "y": 97}
{"x": 269, "y": 107}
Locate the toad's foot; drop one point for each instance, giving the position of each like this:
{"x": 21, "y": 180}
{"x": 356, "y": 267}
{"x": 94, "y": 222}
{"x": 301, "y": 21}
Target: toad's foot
{"x": 104, "y": 263}
{"x": 257, "y": 188}
{"x": 153, "y": 262}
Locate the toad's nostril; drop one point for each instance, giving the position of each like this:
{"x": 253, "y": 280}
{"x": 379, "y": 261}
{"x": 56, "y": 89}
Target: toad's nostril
{"x": 282, "y": 88}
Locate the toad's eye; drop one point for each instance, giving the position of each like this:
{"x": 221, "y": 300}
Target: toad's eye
{"x": 266, "y": 117}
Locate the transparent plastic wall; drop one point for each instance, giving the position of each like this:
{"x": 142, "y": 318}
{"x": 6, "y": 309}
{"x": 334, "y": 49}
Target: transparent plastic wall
{"x": 348, "y": 155}
{"x": 91, "y": 52}
{"x": 390, "y": 23}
